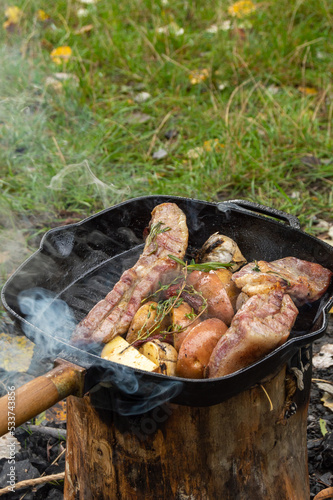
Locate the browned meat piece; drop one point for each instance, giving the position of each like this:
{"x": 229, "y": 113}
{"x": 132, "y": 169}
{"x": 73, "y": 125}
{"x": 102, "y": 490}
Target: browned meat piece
{"x": 113, "y": 315}
{"x": 212, "y": 289}
{"x": 262, "y": 324}
{"x": 303, "y": 281}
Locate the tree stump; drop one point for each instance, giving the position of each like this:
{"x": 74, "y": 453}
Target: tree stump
{"x": 251, "y": 446}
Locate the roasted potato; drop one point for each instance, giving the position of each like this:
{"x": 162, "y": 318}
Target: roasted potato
{"x": 230, "y": 287}
{"x": 183, "y": 319}
{"x": 162, "y": 354}
{"x": 144, "y": 320}
{"x": 120, "y": 351}
{"x": 197, "y": 347}
{"x": 212, "y": 289}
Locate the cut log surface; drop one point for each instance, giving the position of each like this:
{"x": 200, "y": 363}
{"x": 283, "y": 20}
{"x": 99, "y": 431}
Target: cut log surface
{"x": 241, "y": 449}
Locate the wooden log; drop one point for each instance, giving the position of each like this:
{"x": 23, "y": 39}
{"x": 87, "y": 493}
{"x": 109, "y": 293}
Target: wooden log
{"x": 242, "y": 449}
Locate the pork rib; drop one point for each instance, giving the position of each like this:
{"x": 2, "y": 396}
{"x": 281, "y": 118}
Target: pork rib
{"x": 113, "y": 315}
{"x": 303, "y": 281}
{"x": 262, "y": 324}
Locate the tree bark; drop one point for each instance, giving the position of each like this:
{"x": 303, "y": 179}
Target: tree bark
{"x": 242, "y": 449}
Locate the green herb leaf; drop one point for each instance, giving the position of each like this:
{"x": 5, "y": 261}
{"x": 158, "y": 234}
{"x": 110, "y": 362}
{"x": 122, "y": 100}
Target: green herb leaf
{"x": 204, "y": 266}
{"x": 154, "y": 231}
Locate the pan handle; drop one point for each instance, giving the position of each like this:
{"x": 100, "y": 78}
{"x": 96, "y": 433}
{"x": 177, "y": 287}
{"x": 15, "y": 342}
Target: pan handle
{"x": 40, "y": 394}
{"x": 261, "y": 209}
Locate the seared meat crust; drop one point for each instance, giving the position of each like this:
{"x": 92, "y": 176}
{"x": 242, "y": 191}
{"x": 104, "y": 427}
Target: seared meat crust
{"x": 113, "y": 315}
{"x": 303, "y": 281}
{"x": 261, "y": 325}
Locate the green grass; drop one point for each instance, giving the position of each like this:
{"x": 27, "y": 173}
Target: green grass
{"x": 83, "y": 147}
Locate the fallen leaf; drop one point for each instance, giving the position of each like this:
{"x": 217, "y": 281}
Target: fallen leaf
{"x": 171, "y": 29}
{"x": 307, "y": 90}
{"x": 241, "y": 9}
{"x": 324, "y": 358}
{"x": 160, "y": 154}
{"x": 327, "y": 400}
{"x": 198, "y": 76}
{"x": 57, "y": 413}
{"x": 322, "y": 425}
{"x": 84, "y": 29}
{"x": 61, "y": 54}
{"x": 82, "y": 12}
{"x": 66, "y": 76}
{"x": 310, "y": 161}
{"x": 42, "y": 15}
{"x": 7, "y": 442}
{"x": 224, "y": 26}
{"x": 142, "y": 97}
{"x": 56, "y": 80}
{"x": 171, "y": 134}
{"x": 13, "y": 15}
{"x": 213, "y": 145}
{"x": 194, "y": 153}
{"x": 53, "y": 83}
{"x": 15, "y": 352}
{"x": 137, "y": 117}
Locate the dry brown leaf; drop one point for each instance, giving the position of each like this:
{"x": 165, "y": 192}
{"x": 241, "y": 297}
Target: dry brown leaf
{"x": 84, "y": 29}
{"x": 324, "y": 359}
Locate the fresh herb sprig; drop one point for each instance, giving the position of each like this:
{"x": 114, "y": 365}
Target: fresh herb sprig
{"x": 204, "y": 266}
{"x": 156, "y": 229}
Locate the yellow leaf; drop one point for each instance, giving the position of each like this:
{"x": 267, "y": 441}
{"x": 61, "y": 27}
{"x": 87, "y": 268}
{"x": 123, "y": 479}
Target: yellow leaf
{"x": 15, "y": 352}
{"x": 198, "y": 76}
{"x": 13, "y": 15}
{"x": 57, "y": 413}
{"x": 213, "y": 145}
{"x": 241, "y": 9}
{"x": 61, "y": 54}
{"x": 331, "y": 310}
{"x": 42, "y": 15}
{"x": 308, "y": 90}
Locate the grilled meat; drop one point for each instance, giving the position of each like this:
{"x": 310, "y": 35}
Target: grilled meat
{"x": 113, "y": 315}
{"x": 303, "y": 281}
{"x": 261, "y": 325}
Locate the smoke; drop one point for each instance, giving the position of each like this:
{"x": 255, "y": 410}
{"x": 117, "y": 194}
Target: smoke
{"x": 82, "y": 175}
{"x": 44, "y": 313}
{"x": 128, "y": 392}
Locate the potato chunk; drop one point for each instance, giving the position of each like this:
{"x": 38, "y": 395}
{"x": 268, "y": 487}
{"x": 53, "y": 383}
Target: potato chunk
{"x": 145, "y": 320}
{"x": 182, "y": 319}
{"x": 230, "y": 286}
{"x": 162, "y": 354}
{"x": 120, "y": 351}
{"x": 196, "y": 349}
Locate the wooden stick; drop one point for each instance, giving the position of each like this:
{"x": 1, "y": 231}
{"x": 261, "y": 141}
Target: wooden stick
{"x": 35, "y": 482}
{"x": 51, "y": 431}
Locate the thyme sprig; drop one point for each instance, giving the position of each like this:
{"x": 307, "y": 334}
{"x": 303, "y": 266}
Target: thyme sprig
{"x": 204, "y": 266}
{"x": 164, "y": 307}
{"x": 156, "y": 229}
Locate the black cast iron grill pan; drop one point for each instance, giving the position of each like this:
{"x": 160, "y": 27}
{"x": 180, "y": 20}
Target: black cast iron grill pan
{"x": 78, "y": 264}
